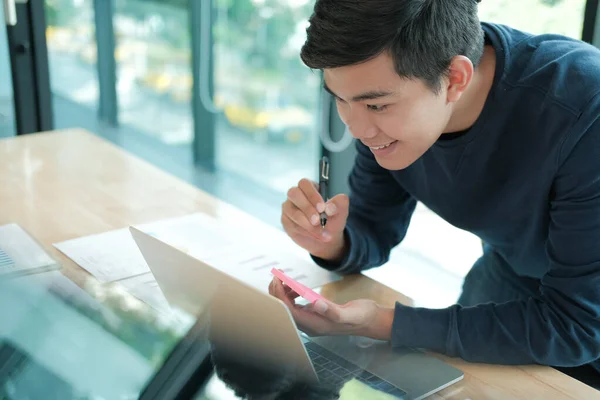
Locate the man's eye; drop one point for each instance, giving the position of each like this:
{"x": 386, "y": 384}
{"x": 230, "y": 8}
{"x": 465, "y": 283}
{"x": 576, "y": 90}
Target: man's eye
{"x": 376, "y": 108}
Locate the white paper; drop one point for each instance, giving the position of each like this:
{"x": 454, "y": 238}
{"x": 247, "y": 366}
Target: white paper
{"x": 22, "y": 254}
{"x": 108, "y": 256}
{"x": 237, "y": 251}
{"x": 114, "y": 256}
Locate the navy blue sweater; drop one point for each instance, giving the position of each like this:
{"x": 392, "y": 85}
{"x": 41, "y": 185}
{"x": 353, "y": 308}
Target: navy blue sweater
{"x": 526, "y": 180}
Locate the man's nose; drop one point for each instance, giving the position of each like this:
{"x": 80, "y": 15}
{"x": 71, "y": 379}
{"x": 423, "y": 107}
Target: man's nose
{"x": 363, "y": 131}
{"x": 361, "y": 127}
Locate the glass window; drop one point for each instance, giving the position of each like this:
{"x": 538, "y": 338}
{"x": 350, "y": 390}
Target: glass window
{"x": 154, "y": 79}
{"x": 268, "y": 129}
{"x": 71, "y": 42}
{"x": 563, "y": 17}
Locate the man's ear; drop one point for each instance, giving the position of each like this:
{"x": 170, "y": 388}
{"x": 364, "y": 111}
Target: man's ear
{"x": 460, "y": 74}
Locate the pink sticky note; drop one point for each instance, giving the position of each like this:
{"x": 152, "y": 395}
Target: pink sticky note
{"x": 297, "y": 287}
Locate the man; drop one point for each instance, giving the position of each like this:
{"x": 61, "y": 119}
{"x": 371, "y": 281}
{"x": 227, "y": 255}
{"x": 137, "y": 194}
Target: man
{"x": 495, "y": 130}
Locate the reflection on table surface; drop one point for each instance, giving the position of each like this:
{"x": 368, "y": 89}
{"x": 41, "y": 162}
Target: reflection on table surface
{"x": 58, "y": 341}
{"x": 234, "y": 379}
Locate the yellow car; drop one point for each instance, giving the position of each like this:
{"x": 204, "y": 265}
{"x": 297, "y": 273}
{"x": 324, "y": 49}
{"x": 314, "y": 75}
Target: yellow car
{"x": 159, "y": 82}
{"x": 291, "y": 124}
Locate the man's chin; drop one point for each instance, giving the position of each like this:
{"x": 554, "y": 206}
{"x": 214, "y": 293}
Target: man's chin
{"x": 394, "y": 164}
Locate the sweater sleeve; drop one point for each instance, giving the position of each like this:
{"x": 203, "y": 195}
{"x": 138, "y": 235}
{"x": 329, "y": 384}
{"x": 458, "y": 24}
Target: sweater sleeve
{"x": 561, "y": 326}
{"x": 379, "y": 215}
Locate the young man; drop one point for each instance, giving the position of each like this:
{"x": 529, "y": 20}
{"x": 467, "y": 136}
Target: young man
{"x": 495, "y": 130}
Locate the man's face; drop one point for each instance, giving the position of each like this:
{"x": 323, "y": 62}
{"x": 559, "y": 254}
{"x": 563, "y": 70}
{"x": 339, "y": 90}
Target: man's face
{"x": 382, "y": 109}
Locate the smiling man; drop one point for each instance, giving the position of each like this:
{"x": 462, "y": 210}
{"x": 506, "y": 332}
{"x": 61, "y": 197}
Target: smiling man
{"x": 495, "y": 130}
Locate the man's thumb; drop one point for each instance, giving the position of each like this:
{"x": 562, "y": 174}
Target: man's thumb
{"x": 321, "y": 307}
{"x": 330, "y": 311}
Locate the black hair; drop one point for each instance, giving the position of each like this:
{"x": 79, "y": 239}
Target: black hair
{"x": 422, "y": 36}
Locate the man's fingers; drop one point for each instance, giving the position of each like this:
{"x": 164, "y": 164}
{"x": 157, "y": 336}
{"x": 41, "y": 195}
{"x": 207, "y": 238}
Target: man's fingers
{"x": 296, "y": 215}
{"x": 337, "y": 211}
{"x": 299, "y": 199}
{"x": 290, "y": 294}
{"x": 313, "y": 319}
{"x": 278, "y": 290}
{"x": 292, "y": 225}
{"x": 330, "y": 311}
{"x": 337, "y": 205}
{"x": 310, "y": 190}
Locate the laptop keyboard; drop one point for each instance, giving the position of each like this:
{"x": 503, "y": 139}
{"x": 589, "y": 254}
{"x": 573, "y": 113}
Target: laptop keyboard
{"x": 335, "y": 370}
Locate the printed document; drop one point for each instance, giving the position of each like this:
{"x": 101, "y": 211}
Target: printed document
{"x": 114, "y": 256}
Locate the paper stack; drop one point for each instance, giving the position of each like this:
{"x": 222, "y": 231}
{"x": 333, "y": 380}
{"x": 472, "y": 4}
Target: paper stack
{"x": 20, "y": 254}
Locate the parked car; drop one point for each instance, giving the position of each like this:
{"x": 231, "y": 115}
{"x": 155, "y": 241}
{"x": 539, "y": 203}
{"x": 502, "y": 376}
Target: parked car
{"x": 290, "y": 124}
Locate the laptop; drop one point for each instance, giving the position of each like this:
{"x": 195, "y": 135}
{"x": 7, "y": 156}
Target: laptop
{"x": 248, "y": 324}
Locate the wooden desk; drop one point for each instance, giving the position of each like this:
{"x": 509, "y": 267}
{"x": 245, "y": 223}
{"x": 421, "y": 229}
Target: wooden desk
{"x": 63, "y": 185}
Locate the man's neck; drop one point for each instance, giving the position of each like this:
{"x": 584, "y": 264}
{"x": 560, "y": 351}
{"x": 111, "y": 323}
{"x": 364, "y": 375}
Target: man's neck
{"x": 469, "y": 107}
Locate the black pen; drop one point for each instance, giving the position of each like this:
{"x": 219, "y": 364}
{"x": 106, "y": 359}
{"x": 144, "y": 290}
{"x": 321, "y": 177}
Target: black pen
{"x": 323, "y": 182}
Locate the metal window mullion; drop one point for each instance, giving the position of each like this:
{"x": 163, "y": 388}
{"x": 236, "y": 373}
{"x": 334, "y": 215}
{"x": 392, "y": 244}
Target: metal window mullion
{"x": 204, "y": 120}
{"x": 105, "y": 61}
{"x": 29, "y": 69}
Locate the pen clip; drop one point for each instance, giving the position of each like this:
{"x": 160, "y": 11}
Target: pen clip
{"x": 324, "y": 170}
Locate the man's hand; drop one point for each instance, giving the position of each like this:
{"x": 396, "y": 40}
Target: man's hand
{"x": 300, "y": 219}
{"x": 325, "y": 318}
